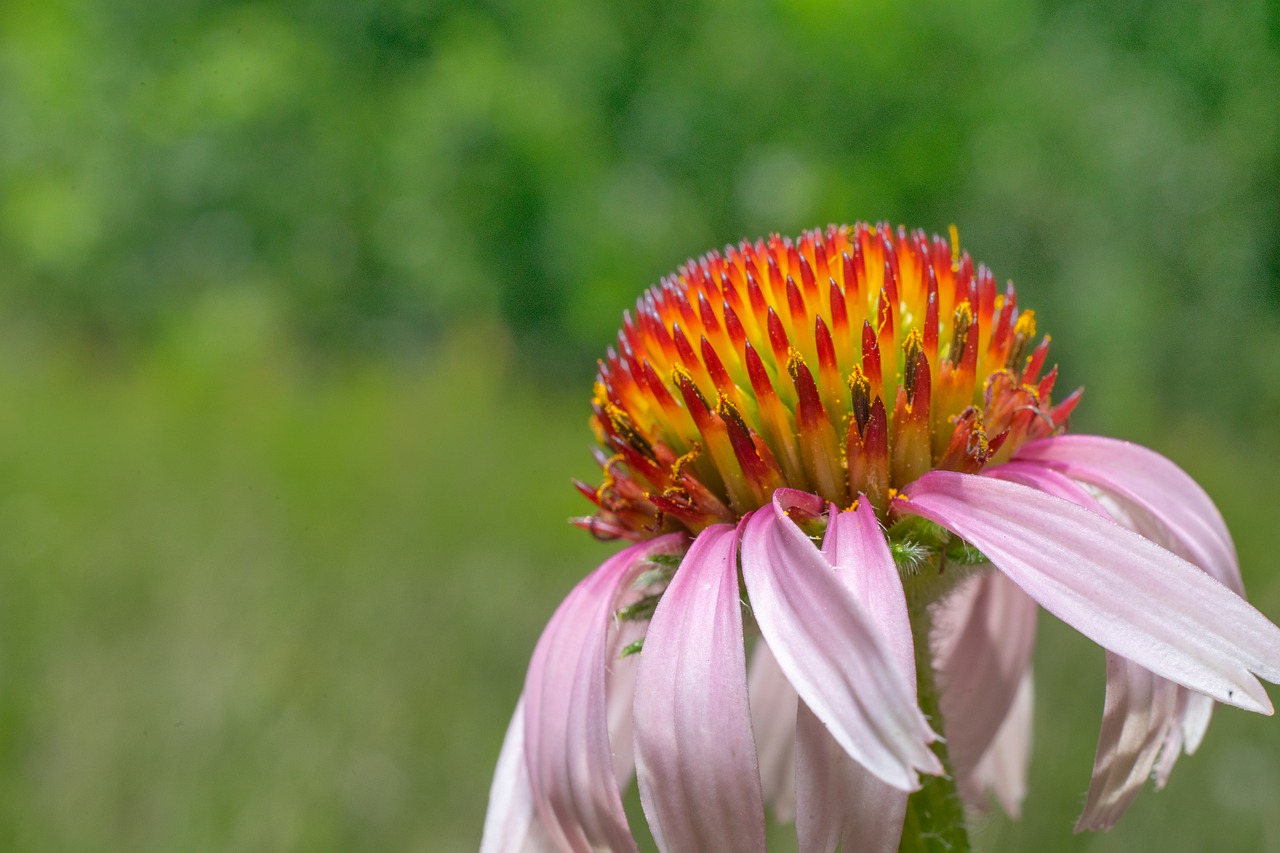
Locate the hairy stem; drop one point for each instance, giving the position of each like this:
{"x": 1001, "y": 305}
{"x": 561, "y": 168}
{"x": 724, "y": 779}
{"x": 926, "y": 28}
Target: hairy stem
{"x": 935, "y": 820}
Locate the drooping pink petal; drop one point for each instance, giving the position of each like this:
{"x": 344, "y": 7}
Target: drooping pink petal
{"x": 1124, "y": 592}
{"x": 1172, "y": 509}
{"x": 1139, "y": 710}
{"x": 568, "y": 755}
{"x": 511, "y": 824}
{"x": 984, "y": 633}
{"x": 1139, "y": 717}
{"x": 1195, "y": 720}
{"x": 620, "y": 692}
{"x": 1191, "y": 719}
{"x": 773, "y": 720}
{"x": 1138, "y": 507}
{"x": 1003, "y": 767}
{"x": 837, "y": 798}
{"x": 1194, "y": 723}
{"x": 832, "y": 651}
{"x": 1163, "y": 503}
{"x": 1048, "y": 480}
{"x": 695, "y": 754}
{"x": 855, "y": 546}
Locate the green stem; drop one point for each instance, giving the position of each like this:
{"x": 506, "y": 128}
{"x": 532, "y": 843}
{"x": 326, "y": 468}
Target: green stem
{"x": 935, "y": 814}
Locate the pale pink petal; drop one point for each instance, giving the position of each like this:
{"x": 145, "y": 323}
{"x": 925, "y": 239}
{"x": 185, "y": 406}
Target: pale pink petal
{"x": 773, "y": 720}
{"x": 1049, "y": 481}
{"x": 1171, "y": 508}
{"x": 1134, "y": 497}
{"x": 1191, "y": 719}
{"x": 982, "y": 642}
{"x": 1124, "y": 592}
{"x": 1139, "y": 710}
{"x": 511, "y": 825}
{"x": 568, "y": 754}
{"x": 1195, "y": 720}
{"x": 855, "y": 545}
{"x": 621, "y": 692}
{"x": 832, "y": 651}
{"x": 695, "y": 754}
{"x": 1142, "y": 717}
{"x": 1160, "y": 501}
{"x": 837, "y": 798}
{"x": 822, "y": 768}
{"x": 1003, "y": 767}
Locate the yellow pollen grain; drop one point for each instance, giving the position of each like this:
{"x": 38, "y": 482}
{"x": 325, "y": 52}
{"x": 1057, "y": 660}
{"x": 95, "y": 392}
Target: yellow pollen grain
{"x": 677, "y": 467}
{"x": 609, "y": 478}
{"x": 961, "y": 324}
{"x": 979, "y": 431}
{"x": 726, "y": 409}
{"x": 913, "y": 351}
{"x": 794, "y": 360}
{"x": 679, "y": 373}
{"x": 620, "y": 419}
{"x": 1026, "y": 325}
{"x": 857, "y": 380}
{"x": 914, "y": 343}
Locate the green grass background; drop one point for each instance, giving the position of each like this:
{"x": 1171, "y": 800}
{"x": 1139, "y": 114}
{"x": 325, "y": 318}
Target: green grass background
{"x": 300, "y": 301}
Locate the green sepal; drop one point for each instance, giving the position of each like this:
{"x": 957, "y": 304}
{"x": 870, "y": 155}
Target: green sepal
{"x": 639, "y": 610}
{"x": 664, "y": 568}
{"x": 961, "y": 552}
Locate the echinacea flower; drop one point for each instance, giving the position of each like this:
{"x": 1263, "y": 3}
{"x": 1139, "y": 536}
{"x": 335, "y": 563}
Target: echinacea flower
{"x": 841, "y": 454}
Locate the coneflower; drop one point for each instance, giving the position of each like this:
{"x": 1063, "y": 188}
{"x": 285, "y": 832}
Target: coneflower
{"x": 843, "y": 452}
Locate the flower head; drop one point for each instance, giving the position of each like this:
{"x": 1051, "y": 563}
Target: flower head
{"x": 849, "y": 361}
{"x": 841, "y": 452}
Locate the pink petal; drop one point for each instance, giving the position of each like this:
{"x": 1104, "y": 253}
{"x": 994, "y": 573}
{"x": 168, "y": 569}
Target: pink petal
{"x": 1049, "y": 481}
{"x": 695, "y": 755}
{"x": 1003, "y": 767}
{"x": 1171, "y": 508}
{"x": 1191, "y": 719}
{"x": 773, "y": 720}
{"x": 983, "y": 638}
{"x": 1160, "y": 501}
{"x": 1139, "y": 710}
{"x": 567, "y": 748}
{"x": 838, "y": 798}
{"x": 511, "y": 823}
{"x": 832, "y": 651}
{"x": 1136, "y": 507}
{"x": 856, "y": 547}
{"x": 1122, "y": 591}
{"x": 621, "y": 692}
{"x": 1195, "y": 720}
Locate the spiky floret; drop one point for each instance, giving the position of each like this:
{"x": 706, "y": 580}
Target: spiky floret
{"x": 847, "y": 361}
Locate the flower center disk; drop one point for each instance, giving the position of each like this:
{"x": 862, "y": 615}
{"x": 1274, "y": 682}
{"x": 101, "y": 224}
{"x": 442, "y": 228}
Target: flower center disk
{"x": 848, "y": 361}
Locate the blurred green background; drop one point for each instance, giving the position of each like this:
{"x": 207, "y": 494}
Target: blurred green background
{"x": 299, "y": 308}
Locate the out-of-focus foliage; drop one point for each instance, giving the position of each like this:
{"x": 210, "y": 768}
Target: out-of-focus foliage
{"x": 377, "y": 172}
{"x": 249, "y": 604}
